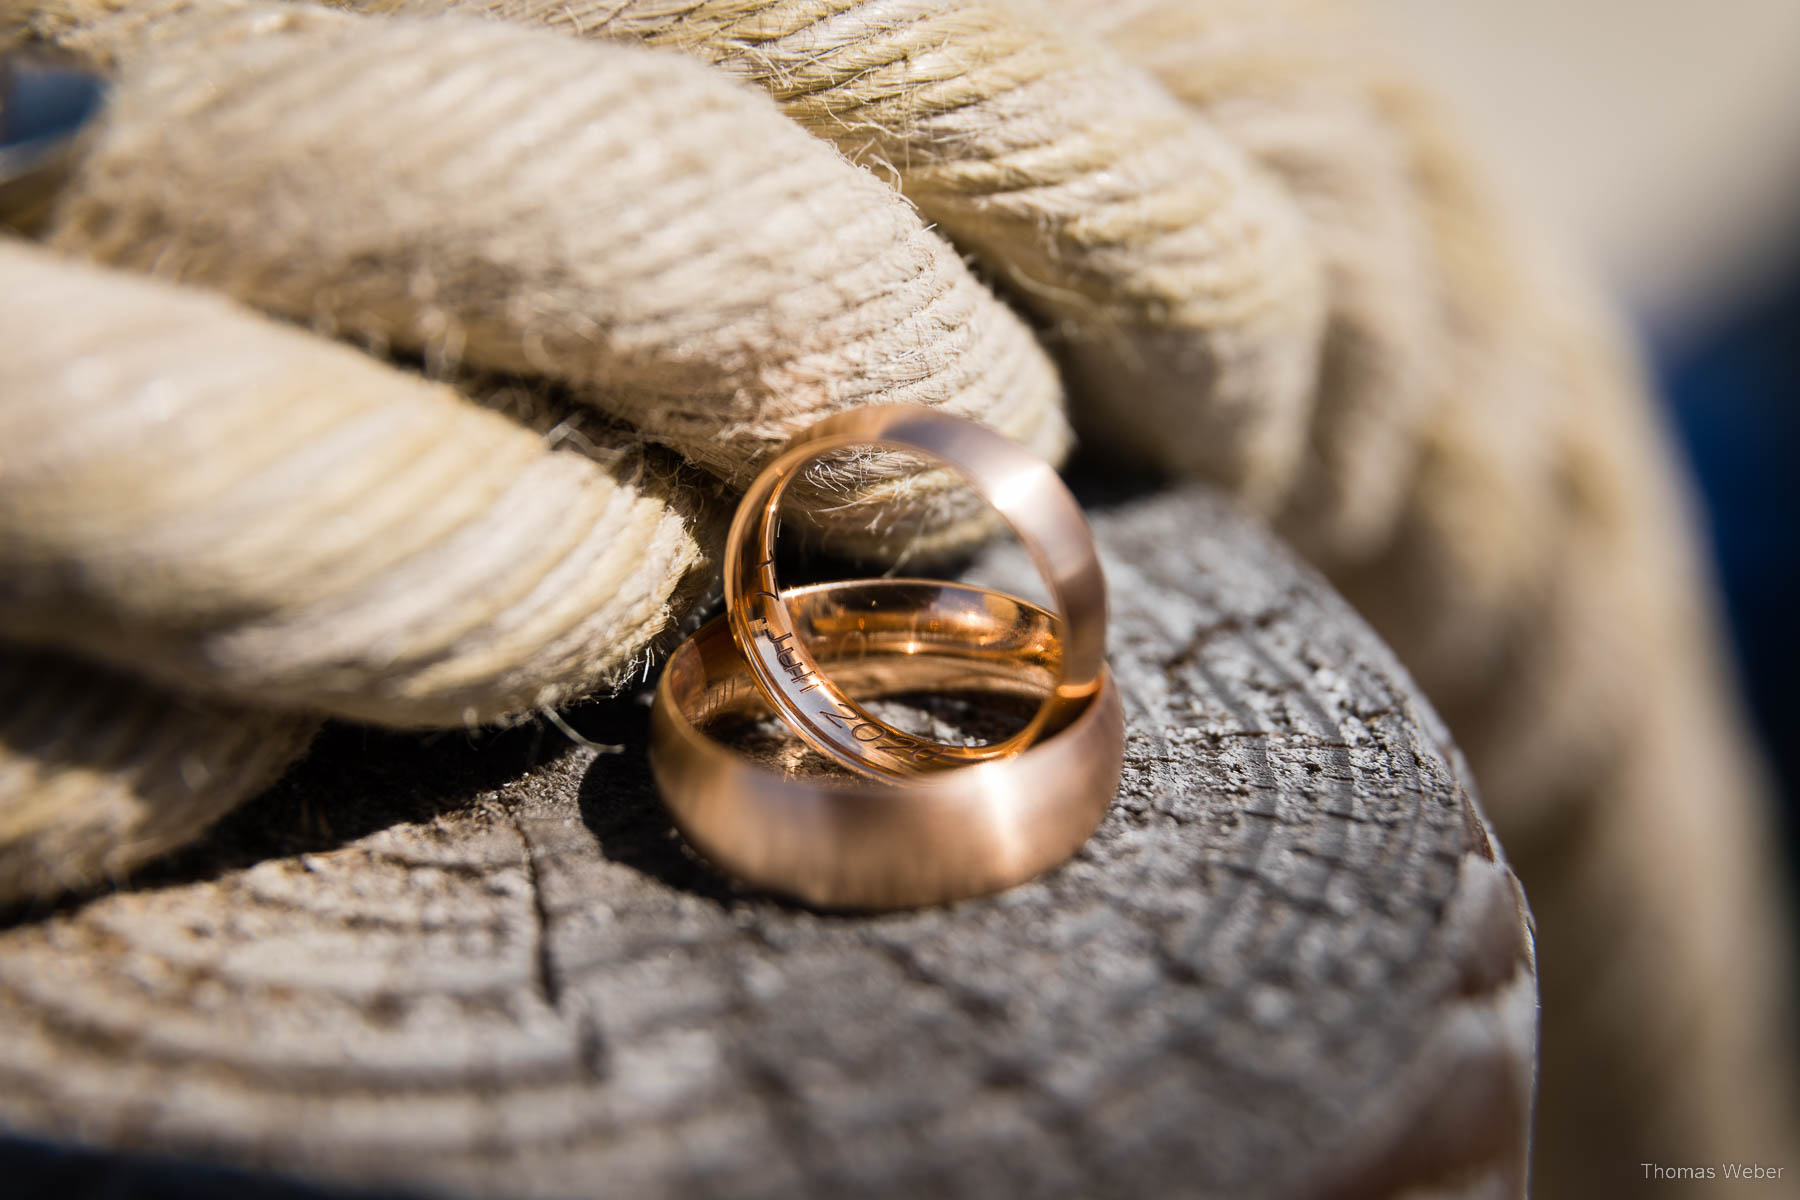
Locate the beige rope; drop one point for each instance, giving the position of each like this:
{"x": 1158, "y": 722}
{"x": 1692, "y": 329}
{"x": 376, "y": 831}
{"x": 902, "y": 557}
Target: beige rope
{"x": 629, "y": 224}
{"x": 243, "y": 510}
{"x": 1199, "y": 291}
{"x": 1165, "y": 265}
{"x": 1284, "y": 83}
{"x": 99, "y": 773}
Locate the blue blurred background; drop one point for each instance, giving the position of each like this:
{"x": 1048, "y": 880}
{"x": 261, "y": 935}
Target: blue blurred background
{"x": 1733, "y": 390}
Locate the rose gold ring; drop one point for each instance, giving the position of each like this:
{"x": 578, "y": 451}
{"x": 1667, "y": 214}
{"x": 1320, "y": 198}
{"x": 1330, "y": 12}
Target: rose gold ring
{"x": 1025, "y": 491}
{"x": 848, "y": 842}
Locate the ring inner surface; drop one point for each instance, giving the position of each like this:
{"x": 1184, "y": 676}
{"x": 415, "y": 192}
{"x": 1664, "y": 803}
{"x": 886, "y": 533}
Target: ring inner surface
{"x": 879, "y": 639}
{"x": 821, "y": 709}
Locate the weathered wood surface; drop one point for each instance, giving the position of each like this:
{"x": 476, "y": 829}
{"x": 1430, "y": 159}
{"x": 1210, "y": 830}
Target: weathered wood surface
{"x": 1289, "y": 965}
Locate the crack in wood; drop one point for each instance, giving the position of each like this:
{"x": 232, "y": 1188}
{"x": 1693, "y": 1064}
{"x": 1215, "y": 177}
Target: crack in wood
{"x": 544, "y": 973}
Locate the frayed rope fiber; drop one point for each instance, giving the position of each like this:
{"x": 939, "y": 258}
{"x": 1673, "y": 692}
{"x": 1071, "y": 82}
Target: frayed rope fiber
{"x": 241, "y": 510}
{"x": 1166, "y": 266}
{"x": 630, "y": 225}
{"x": 100, "y": 773}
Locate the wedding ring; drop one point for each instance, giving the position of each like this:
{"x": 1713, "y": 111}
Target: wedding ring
{"x": 853, "y": 843}
{"x": 1025, "y": 491}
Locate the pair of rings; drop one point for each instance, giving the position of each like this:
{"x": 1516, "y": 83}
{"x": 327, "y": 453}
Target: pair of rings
{"x": 922, "y": 822}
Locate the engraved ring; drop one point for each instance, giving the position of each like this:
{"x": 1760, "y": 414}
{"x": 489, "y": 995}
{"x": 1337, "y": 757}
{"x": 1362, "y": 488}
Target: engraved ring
{"x": 849, "y": 842}
{"x": 1027, "y": 493}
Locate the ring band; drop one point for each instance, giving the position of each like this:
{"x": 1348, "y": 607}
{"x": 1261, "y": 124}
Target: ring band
{"x": 858, "y": 844}
{"x": 1025, "y": 491}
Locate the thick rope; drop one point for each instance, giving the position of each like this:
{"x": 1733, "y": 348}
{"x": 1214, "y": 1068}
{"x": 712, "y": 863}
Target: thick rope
{"x": 1200, "y": 291}
{"x": 1164, "y": 263}
{"x": 629, "y": 224}
{"x": 243, "y": 510}
{"x": 99, "y": 773}
{"x": 1285, "y": 85}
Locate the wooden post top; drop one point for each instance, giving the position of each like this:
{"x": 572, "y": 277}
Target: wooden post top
{"x": 1291, "y": 963}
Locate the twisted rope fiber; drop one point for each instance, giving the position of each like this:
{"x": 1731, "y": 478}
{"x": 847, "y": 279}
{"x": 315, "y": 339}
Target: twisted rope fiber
{"x": 238, "y": 509}
{"x": 100, "y": 773}
{"x": 1166, "y": 266}
{"x": 628, "y": 224}
{"x": 1283, "y": 82}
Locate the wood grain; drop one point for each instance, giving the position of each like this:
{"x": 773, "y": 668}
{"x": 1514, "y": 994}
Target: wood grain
{"x": 1291, "y": 963}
